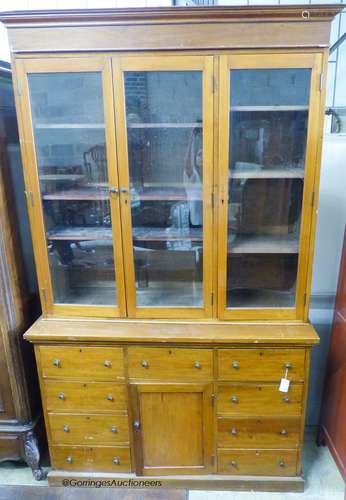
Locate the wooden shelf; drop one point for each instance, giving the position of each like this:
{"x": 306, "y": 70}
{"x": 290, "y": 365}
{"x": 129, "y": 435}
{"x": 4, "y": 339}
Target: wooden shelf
{"x": 269, "y": 108}
{"x": 70, "y": 125}
{"x": 268, "y": 173}
{"x": 147, "y": 194}
{"x": 140, "y": 233}
{"x": 164, "y": 125}
{"x": 267, "y": 244}
{"x": 61, "y": 177}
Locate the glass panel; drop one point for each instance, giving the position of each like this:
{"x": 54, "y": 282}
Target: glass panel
{"x": 69, "y": 130}
{"x": 268, "y": 132}
{"x": 164, "y": 130}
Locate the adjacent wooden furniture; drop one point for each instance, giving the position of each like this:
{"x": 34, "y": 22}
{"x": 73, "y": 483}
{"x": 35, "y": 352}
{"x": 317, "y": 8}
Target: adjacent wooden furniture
{"x": 334, "y": 404}
{"x": 172, "y": 164}
{"x": 20, "y": 415}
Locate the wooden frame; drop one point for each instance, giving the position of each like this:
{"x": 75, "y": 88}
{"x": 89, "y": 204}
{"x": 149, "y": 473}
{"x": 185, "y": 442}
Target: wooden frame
{"x": 167, "y": 63}
{"x": 206, "y": 389}
{"x": 75, "y": 65}
{"x": 267, "y": 61}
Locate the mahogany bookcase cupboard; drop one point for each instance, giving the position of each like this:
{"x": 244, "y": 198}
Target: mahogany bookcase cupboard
{"x": 172, "y": 163}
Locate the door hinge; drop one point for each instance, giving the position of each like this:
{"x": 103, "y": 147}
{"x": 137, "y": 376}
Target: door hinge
{"x": 44, "y": 295}
{"x": 212, "y": 298}
{"x": 29, "y": 197}
{"x": 213, "y": 84}
{"x": 312, "y": 198}
{"x": 212, "y": 399}
{"x": 19, "y": 88}
{"x": 304, "y": 299}
{"x": 321, "y": 81}
{"x": 212, "y": 200}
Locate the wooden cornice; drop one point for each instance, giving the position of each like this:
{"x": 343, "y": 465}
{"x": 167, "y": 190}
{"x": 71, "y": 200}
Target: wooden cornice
{"x": 168, "y": 15}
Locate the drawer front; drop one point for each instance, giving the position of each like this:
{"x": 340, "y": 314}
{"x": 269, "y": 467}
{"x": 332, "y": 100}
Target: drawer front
{"x": 65, "y": 396}
{"x": 170, "y": 363}
{"x": 105, "y": 363}
{"x": 258, "y": 432}
{"x": 259, "y": 400}
{"x": 93, "y": 459}
{"x": 88, "y": 429}
{"x": 260, "y": 365}
{"x": 257, "y": 462}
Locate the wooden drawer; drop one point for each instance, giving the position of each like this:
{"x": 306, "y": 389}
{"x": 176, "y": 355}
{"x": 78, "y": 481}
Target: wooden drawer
{"x": 65, "y": 396}
{"x": 260, "y": 365}
{"x": 88, "y": 429}
{"x": 93, "y": 459}
{"x": 261, "y": 400}
{"x": 106, "y": 363}
{"x": 258, "y": 432}
{"x": 257, "y": 462}
{"x": 170, "y": 363}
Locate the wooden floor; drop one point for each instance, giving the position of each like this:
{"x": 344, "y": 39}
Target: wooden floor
{"x": 46, "y": 493}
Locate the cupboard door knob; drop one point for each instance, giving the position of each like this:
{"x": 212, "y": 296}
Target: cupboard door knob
{"x": 107, "y": 364}
{"x": 284, "y": 432}
{"x": 124, "y": 190}
{"x": 69, "y": 460}
{"x": 287, "y": 366}
{"x": 145, "y": 363}
{"x": 57, "y": 362}
{"x": 282, "y": 464}
{"x": 286, "y": 399}
{"x": 234, "y": 431}
{"x": 116, "y": 461}
{"x": 136, "y": 424}
{"x": 235, "y": 365}
{"x": 233, "y": 463}
{"x": 110, "y": 397}
{"x": 66, "y": 428}
{"x": 197, "y": 365}
{"x": 61, "y": 395}
{"x": 234, "y": 399}
{"x": 113, "y": 190}
{"x": 114, "y": 429}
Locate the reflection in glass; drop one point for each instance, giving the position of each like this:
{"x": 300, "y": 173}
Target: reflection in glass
{"x": 268, "y": 132}
{"x": 69, "y": 130}
{"x": 164, "y": 130}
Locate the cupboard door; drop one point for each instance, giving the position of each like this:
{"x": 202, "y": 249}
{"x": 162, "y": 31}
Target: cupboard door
{"x": 72, "y": 184}
{"x": 173, "y": 428}
{"x": 164, "y": 119}
{"x": 269, "y": 124}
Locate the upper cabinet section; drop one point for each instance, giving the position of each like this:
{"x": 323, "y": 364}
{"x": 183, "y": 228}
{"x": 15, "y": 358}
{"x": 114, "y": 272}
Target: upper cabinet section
{"x": 267, "y": 155}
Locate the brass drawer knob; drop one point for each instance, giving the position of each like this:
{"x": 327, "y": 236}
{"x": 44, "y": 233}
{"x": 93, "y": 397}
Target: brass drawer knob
{"x": 57, "y": 362}
{"x": 69, "y": 460}
{"x": 286, "y": 399}
{"x": 107, "y": 363}
{"x": 61, "y": 396}
{"x": 110, "y": 397}
{"x": 145, "y": 363}
{"x": 234, "y": 399}
{"x": 282, "y": 464}
{"x": 116, "y": 461}
{"x": 114, "y": 429}
{"x": 235, "y": 365}
{"x": 284, "y": 432}
{"x": 197, "y": 365}
{"x": 233, "y": 463}
{"x": 66, "y": 428}
{"x": 288, "y": 366}
{"x": 234, "y": 431}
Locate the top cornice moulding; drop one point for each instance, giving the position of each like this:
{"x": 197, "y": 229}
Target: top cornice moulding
{"x": 164, "y": 15}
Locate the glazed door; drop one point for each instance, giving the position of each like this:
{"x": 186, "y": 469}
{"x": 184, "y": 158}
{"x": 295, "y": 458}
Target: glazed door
{"x": 72, "y": 184}
{"x": 173, "y": 428}
{"x": 267, "y": 148}
{"x": 164, "y": 119}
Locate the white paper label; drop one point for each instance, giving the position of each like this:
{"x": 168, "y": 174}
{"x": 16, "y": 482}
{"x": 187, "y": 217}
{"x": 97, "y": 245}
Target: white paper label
{"x": 284, "y": 385}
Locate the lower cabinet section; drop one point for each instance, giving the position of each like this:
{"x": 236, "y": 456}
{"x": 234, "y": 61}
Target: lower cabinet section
{"x": 257, "y": 462}
{"x": 86, "y": 458}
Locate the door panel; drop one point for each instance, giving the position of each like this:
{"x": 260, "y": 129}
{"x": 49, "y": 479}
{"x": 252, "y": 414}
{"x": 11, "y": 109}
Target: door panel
{"x": 164, "y": 126}
{"x": 70, "y": 138}
{"x": 267, "y": 155}
{"x": 173, "y": 428}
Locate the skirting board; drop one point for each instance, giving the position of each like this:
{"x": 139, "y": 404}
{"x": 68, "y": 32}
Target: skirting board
{"x": 206, "y": 482}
